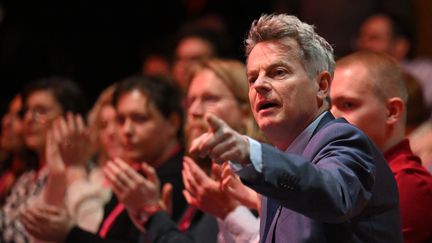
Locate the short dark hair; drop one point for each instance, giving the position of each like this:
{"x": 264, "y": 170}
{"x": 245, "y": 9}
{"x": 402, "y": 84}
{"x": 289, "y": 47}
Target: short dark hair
{"x": 162, "y": 91}
{"x": 68, "y": 93}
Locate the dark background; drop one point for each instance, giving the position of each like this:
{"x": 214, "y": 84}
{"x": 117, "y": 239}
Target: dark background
{"x": 95, "y": 42}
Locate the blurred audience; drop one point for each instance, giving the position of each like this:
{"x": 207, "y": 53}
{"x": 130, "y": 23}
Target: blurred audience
{"x": 421, "y": 143}
{"x": 17, "y": 158}
{"x": 156, "y": 64}
{"x": 149, "y": 118}
{"x": 393, "y": 35}
{"x": 417, "y": 112}
{"x": 196, "y": 43}
{"x": 215, "y": 87}
{"x": 45, "y": 101}
{"x": 346, "y": 18}
{"x": 156, "y": 58}
{"x": 103, "y": 132}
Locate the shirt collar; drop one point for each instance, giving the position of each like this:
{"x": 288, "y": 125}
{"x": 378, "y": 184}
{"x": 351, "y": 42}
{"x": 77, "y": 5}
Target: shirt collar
{"x": 300, "y": 142}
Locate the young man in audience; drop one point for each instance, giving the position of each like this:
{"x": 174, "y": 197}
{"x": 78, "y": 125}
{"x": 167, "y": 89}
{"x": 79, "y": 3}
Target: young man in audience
{"x": 369, "y": 91}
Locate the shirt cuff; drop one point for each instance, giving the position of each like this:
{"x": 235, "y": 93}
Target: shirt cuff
{"x": 255, "y": 156}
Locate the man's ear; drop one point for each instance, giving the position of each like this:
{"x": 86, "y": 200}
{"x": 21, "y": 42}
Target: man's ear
{"x": 323, "y": 81}
{"x": 395, "y": 110}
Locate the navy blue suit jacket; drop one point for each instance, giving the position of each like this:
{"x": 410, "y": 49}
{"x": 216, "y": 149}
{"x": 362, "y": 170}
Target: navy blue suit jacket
{"x": 335, "y": 187}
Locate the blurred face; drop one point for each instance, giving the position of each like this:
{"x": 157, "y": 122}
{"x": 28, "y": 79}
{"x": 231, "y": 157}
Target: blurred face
{"x": 282, "y": 97}
{"x": 188, "y": 53}
{"x": 208, "y": 93}
{"x": 375, "y": 35}
{"x": 40, "y": 110}
{"x": 108, "y": 136}
{"x": 155, "y": 65}
{"x": 353, "y": 98}
{"x": 11, "y": 136}
{"x": 144, "y": 132}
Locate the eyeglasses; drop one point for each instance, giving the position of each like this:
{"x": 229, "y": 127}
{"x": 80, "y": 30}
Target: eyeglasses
{"x": 38, "y": 113}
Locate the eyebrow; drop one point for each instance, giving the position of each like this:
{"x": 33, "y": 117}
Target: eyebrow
{"x": 272, "y": 66}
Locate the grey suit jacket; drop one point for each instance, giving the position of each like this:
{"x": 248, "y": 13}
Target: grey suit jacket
{"x": 334, "y": 187}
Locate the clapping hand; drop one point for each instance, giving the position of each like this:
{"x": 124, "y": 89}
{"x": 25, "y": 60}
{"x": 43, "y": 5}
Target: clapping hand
{"x": 73, "y": 139}
{"x": 137, "y": 191}
{"x": 48, "y": 223}
{"x": 66, "y": 151}
{"x": 205, "y": 192}
{"x": 232, "y": 185}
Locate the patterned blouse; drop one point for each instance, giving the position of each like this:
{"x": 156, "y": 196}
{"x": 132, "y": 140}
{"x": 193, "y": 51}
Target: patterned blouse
{"x": 26, "y": 189}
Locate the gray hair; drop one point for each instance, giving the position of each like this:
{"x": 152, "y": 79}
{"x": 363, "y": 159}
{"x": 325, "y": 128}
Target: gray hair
{"x": 315, "y": 51}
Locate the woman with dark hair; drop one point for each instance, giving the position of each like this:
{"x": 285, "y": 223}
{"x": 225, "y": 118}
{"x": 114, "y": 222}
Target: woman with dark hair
{"x": 53, "y": 137}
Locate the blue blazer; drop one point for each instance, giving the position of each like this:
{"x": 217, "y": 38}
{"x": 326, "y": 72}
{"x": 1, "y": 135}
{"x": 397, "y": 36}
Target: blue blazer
{"x": 335, "y": 187}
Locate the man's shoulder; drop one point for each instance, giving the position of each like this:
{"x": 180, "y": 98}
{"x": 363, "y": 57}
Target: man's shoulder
{"x": 339, "y": 127}
{"x": 339, "y": 134}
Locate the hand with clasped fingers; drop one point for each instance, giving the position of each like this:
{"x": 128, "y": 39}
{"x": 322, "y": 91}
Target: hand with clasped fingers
{"x": 140, "y": 193}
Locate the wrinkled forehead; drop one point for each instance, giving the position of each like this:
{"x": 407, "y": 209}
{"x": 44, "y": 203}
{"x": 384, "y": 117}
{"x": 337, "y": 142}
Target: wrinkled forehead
{"x": 286, "y": 46}
{"x": 269, "y": 52}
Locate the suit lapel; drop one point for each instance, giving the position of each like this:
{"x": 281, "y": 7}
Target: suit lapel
{"x": 272, "y": 208}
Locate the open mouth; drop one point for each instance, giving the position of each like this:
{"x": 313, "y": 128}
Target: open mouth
{"x": 266, "y": 105}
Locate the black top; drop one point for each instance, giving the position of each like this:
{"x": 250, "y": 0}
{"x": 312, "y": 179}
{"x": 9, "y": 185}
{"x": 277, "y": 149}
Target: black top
{"x": 123, "y": 230}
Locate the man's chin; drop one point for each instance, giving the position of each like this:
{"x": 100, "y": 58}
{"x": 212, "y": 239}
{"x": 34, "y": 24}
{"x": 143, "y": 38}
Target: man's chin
{"x": 265, "y": 124}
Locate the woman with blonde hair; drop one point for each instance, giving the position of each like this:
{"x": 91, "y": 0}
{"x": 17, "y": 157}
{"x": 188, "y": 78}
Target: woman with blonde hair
{"x": 103, "y": 132}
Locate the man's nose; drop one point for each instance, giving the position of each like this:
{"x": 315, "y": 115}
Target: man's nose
{"x": 127, "y": 126}
{"x": 262, "y": 85}
{"x": 196, "y": 108}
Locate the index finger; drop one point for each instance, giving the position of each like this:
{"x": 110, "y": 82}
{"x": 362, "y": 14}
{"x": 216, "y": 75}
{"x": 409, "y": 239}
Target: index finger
{"x": 214, "y": 122}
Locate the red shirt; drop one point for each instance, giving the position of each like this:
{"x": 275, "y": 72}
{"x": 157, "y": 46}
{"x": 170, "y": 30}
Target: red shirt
{"x": 415, "y": 192}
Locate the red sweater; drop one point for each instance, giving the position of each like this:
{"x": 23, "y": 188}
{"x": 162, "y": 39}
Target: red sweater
{"x": 415, "y": 192}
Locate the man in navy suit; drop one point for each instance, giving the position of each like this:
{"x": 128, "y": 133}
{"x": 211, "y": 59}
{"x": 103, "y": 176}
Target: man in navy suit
{"x": 322, "y": 180}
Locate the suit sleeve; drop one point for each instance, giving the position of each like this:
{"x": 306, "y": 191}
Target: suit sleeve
{"x": 331, "y": 181}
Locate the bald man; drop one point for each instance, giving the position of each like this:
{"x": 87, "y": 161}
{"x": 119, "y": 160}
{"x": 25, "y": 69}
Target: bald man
{"x": 368, "y": 90}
